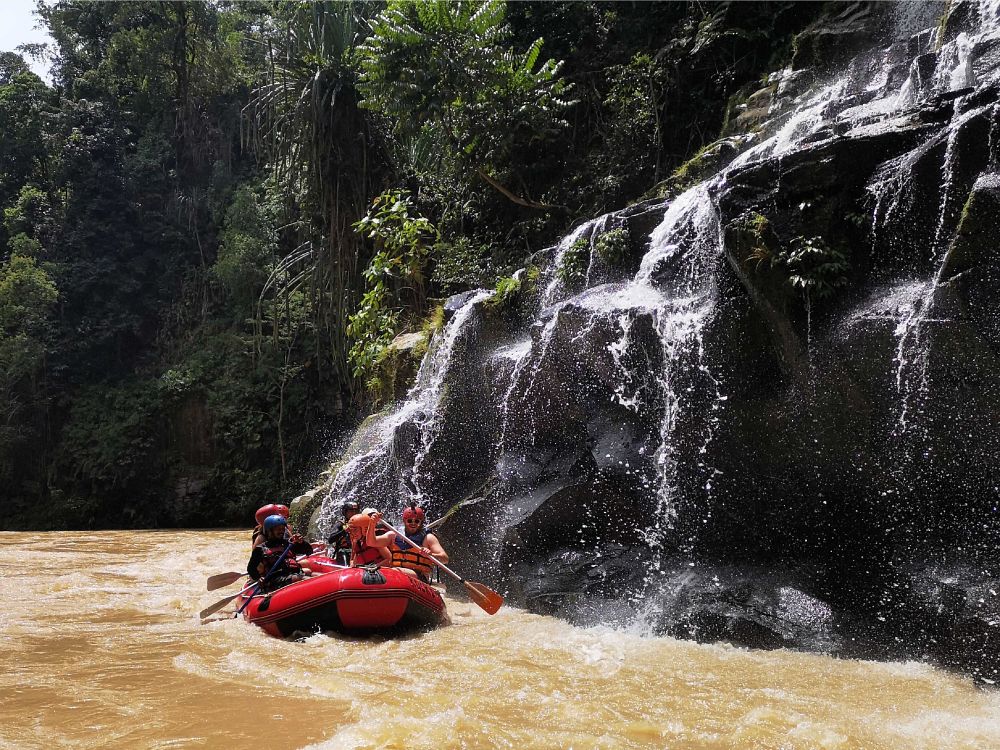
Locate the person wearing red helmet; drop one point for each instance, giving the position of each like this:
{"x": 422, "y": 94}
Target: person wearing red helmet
{"x": 262, "y": 513}
{"x": 404, "y": 556}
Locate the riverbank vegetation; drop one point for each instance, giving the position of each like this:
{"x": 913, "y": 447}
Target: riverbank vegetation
{"x": 217, "y": 215}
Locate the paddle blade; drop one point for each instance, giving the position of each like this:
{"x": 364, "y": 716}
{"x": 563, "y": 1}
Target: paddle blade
{"x": 484, "y": 596}
{"x": 211, "y": 610}
{"x": 223, "y": 579}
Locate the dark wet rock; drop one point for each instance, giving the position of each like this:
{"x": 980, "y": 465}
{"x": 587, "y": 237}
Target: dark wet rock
{"x": 827, "y": 175}
{"x": 641, "y": 219}
{"x": 619, "y": 445}
{"x": 457, "y": 301}
{"x": 956, "y": 609}
{"x": 820, "y": 449}
{"x": 746, "y": 607}
{"x": 956, "y": 17}
{"x": 972, "y": 266}
{"x": 569, "y": 582}
{"x": 837, "y": 35}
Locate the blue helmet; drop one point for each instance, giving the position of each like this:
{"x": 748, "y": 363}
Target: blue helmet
{"x": 271, "y": 521}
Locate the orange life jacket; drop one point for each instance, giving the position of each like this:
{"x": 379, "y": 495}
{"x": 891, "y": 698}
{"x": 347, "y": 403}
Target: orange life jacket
{"x": 413, "y": 560}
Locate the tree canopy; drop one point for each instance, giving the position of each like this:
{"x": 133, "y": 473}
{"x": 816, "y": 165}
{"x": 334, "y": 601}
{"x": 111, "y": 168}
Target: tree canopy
{"x": 218, "y": 215}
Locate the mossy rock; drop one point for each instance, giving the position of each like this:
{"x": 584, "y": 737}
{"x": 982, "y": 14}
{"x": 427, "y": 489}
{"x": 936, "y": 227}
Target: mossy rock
{"x": 397, "y": 366}
{"x": 707, "y": 161}
{"x": 970, "y": 267}
{"x": 301, "y": 509}
{"x": 843, "y": 29}
{"x": 975, "y": 242}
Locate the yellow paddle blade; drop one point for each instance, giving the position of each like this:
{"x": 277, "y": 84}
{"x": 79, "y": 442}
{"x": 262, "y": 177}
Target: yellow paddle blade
{"x": 217, "y": 606}
{"x": 223, "y": 579}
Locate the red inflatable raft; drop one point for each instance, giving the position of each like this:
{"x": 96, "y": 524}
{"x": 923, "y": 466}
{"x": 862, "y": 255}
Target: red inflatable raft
{"x": 347, "y": 600}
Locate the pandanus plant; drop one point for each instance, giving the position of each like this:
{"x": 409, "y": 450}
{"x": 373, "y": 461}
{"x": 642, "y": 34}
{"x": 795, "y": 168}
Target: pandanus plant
{"x": 304, "y": 119}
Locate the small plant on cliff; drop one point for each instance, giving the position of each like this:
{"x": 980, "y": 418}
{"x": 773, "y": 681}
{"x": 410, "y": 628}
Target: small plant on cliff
{"x": 434, "y": 321}
{"x": 505, "y": 292}
{"x": 612, "y": 246}
{"x": 430, "y": 325}
{"x": 510, "y": 289}
{"x": 758, "y": 225}
{"x": 813, "y": 267}
{"x": 573, "y": 265}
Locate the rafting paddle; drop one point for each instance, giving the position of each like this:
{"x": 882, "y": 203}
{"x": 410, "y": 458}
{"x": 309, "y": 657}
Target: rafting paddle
{"x": 220, "y": 580}
{"x": 255, "y": 585}
{"x": 223, "y": 602}
{"x": 480, "y": 593}
{"x": 263, "y": 579}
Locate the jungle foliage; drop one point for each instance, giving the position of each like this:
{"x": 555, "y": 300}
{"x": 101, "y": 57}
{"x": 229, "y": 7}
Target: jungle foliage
{"x": 217, "y": 215}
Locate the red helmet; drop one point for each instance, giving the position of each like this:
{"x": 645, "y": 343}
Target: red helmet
{"x": 414, "y": 512}
{"x": 264, "y": 512}
{"x": 270, "y": 510}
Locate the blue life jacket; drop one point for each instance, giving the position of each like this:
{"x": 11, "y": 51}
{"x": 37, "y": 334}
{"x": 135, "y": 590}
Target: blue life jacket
{"x": 417, "y": 539}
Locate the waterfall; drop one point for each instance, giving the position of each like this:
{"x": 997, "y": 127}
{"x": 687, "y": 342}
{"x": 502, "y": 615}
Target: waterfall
{"x": 428, "y": 389}
{"x": 634, "y": 387}
{"x": 422, "y": 408}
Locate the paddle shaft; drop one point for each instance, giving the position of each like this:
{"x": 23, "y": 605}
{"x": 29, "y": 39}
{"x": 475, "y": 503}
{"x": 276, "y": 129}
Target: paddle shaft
{"x": 433, "y": 559}
{"x": 262, "y": 580}
{"x": 435, "y": 524}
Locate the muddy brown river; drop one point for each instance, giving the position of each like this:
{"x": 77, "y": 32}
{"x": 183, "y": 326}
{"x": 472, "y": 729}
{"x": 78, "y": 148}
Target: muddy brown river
{"x": 103, "y": 649}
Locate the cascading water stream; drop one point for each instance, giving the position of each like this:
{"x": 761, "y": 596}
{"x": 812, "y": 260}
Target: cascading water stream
{"x": 422, "y": 407}
{"x": 892, "y": 191}
{"x": 691, "y": 225}
{"x": 526, "y": 359}
{"x": 912, "y": 350}
{"x": 429, "y": 387}
{"x": 555, "y": 285}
